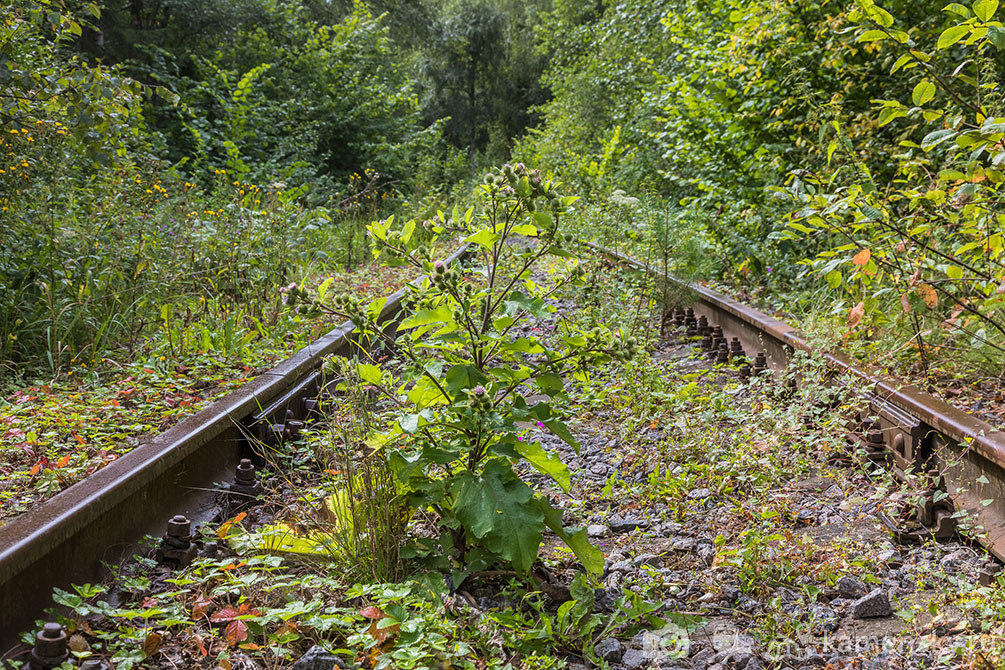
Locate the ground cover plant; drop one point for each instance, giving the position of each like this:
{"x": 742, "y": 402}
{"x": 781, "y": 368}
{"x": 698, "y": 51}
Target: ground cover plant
{"x": 729, "y": 510}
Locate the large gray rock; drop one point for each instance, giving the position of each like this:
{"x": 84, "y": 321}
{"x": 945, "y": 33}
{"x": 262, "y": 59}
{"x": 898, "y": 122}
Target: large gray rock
{"x": 875, "y": 604}
{"x": 635, "y": 659}
{"x": 609, "y": 649}
{"x": 851, "y": 587}
{"x": 628, "y": 524}
{"x": 318, "y": 658}
{"x": 825, "y": 618}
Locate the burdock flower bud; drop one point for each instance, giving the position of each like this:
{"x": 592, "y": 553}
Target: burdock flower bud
{"x": 479, "y": 391}
{"x": 439, "y": 268}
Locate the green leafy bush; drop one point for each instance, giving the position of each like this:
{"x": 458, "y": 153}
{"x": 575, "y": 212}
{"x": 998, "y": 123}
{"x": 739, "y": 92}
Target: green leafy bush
{"x": 470, "y": 384}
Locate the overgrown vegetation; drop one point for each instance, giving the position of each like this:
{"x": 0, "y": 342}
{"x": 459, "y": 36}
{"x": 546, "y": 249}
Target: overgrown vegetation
{"x": 177, "y": 177}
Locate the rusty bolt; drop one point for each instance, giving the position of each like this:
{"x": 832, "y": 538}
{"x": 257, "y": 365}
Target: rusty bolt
{"x": 245, "y": 473}
{"x": 703, "y": 328}
{"x": 293, "y": 428}
{"x": 722, "y": 355}
{"x": 760, "y": 363}
{"x": 989, "y": 574}
{"x": 177, "y": 549}
{"x": 736, "y": 348}
{"x": 179, "y": 526}
{"x": 745, "y": 371}
{"x": 50, "y": 649}
{"x": 706, "y": 343}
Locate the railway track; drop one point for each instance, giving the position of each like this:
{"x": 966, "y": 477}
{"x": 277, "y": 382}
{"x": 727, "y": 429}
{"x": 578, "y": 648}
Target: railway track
{"x": 962, "y": 457}
{"x": 65, "y": 539}
{"x": 100, "y": 520}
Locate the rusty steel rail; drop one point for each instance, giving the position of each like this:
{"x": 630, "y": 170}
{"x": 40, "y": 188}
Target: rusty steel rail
{"x": 921, "y": 433}
{"x": 66, "y": 539}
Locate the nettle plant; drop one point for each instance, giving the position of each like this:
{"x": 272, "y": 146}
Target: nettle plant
{"x": 473, "y": 382}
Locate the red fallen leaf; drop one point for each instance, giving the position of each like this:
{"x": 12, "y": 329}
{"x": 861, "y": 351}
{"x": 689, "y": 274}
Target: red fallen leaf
{"x": 372, "y": 612}
{"x": 38, "y": 466}
{"x": 152, "y": 643}
{"x": 201, "y": 606}
{"x": 200, "y": 645}
{"x": 78, "y": 438}
{"x": 225, "y": 614}
{"x": 63, "y": 461}
{"x": 149, "y": 603}
{"x": 237, "y": 631}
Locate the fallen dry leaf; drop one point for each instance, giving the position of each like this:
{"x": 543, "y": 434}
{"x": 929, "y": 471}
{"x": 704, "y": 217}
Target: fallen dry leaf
{"x": 856, "y": 314}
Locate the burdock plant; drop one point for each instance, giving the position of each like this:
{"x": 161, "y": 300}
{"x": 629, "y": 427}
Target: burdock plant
{"x": 467, "y": 375}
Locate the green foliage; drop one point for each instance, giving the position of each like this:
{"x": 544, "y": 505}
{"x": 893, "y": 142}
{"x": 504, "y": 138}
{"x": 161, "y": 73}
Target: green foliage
{"x": 294, "y": 100}
{"x": 458, "y": 435}
{"x": 478, "y": 68}
{"x": 922, "y": 253}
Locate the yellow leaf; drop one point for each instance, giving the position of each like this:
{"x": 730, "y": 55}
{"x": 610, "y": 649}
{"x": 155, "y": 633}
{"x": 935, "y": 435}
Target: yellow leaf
{"x": 929, "y": 295}
{"x": 862, "y": 257}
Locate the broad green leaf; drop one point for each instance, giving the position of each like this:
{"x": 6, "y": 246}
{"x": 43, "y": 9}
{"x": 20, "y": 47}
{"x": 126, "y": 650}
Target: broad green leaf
{"x": 561, "y": 430}
{"x": 460, "y": 378}
{"x": 951, "y": 36}
{"x": 523, "y": 345}
{"x": 407, "y": 231}
{"x": 498, "y": 508}
{"x": 877, "y": 14}
{"x": 369, "y": 373}
{"x": 954, "y": 272}
{"x": 957, "y": 8}
{"x": 834, "y": 278}
{"x": 578, "y": 540}
{"x": 924, "y": 91}
{"x": 937, "y": 137}
{"x": 425, "y": 393}
{"x": 424, "y": 317}
{"x": 901, "y": 62}
{"x": 409, "y": 423}
{"x": 550, "y": 384}
{"x": 996, "y": 36}
{"x": 543, "y": 220}
{"x": 323, "y": 288}
{"x": 872, "y": 36}
{"x": 484, "y": 238}
{"x": 545, "y": 463}
{"x": 375, "y": 307}
{"x": 985, "y": 9}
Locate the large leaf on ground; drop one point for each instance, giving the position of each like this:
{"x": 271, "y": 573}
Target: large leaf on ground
{"x": 500, "y": 510}
{"x": 578, "y": 540}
